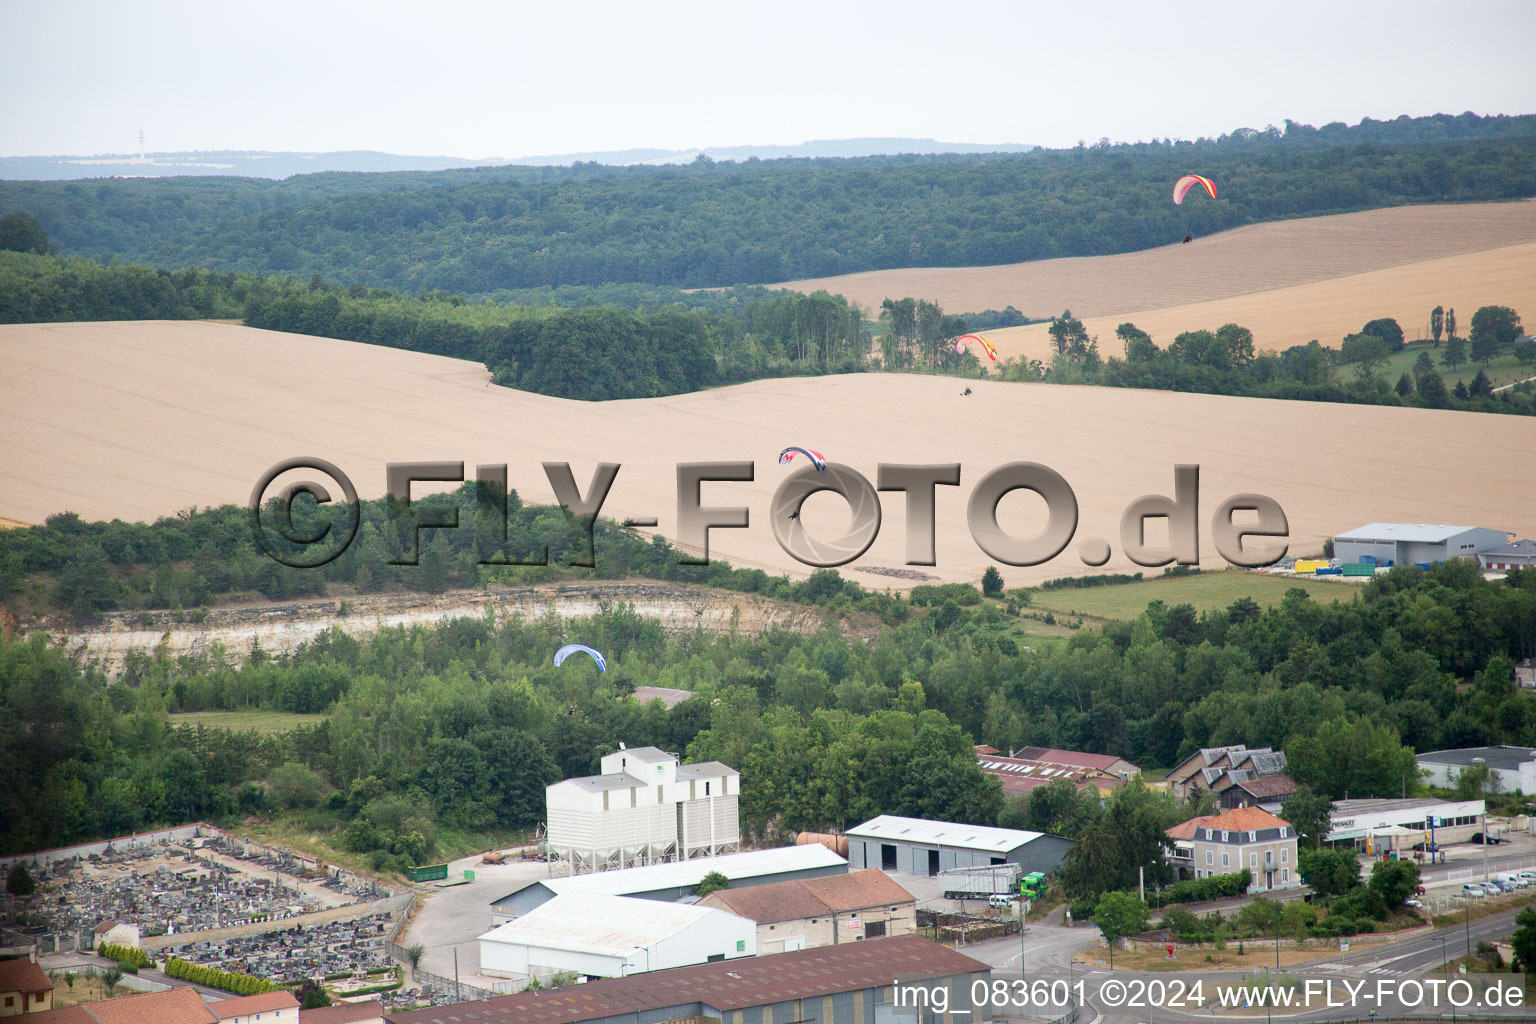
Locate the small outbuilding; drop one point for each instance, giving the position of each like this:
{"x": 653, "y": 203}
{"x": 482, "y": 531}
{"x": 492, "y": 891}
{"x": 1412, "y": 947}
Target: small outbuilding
{"x": 916, "y": 846}
{"x": 1520, "y": 554}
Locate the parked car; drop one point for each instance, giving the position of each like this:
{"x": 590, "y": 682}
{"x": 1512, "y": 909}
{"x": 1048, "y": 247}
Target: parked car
{"x": 1493, "y": 840}
{"x": 1515, "y": 881}
{"x": 1414, "y": 904}
{"x": 1490, "y": 889}
{"x": 1529, "y": 876}
{"x": 1472, "y": 891}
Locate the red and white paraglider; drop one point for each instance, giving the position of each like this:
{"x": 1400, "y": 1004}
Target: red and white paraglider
{"x": 818, "y": 460}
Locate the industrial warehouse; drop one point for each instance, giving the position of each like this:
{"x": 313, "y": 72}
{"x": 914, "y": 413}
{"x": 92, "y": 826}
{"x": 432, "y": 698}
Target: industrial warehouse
{"x": 914, "y": 846}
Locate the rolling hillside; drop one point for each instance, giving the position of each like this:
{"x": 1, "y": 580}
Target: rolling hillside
{"x": 138, "y": 420}
{"x": 1397, "y": 262}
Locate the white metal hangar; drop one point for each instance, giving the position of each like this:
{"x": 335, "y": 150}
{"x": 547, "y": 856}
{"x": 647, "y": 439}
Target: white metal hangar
{"x": 677, "y": 881}
{"x": 644, "y": 808}
{"x": 611, "y": 936}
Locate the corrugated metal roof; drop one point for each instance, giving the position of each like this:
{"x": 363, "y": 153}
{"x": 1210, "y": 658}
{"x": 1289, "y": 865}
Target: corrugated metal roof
{"x": 601, "y": 924}
{"x": 944, "y": 833}
{"x": 1423, "y": 533}
{"x": 727, "y": 985}
{"x": 688, "y": 873}
{"x": 1504, "y": 758}
{"x": 1519, "y": 547}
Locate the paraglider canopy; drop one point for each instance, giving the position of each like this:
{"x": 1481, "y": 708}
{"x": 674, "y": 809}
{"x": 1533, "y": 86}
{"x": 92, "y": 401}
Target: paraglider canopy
{"x": 817, "y": 459}
{"x": 985, "y": 344}
{"x": 1189, "y": 181}
{"x": 570, "y": 649}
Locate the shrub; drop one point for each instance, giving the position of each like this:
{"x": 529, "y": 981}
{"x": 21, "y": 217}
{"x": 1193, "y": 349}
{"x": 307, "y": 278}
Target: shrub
{"x": 962, "y": 594}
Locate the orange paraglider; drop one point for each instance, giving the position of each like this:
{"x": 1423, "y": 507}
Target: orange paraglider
{"x": 960, "y": 345}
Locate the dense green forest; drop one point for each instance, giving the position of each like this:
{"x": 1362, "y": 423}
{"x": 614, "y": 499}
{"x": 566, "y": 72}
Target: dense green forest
{"x": 479, "y": 232}
{"x": 1224, "y": 361}
{"x": 440, "y": 725}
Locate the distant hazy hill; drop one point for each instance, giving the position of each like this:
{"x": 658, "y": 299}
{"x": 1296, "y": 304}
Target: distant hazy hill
{"x": 817, "y": 148}
{"x": 258, "y": 164}
{"x": 245, "y": 164}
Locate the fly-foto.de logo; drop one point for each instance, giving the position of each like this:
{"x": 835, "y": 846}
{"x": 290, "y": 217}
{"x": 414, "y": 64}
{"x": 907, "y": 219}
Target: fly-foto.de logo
{"x": 1247, "y": 530}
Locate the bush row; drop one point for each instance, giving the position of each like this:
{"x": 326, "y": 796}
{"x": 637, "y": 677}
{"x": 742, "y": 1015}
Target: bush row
{"x": 229, "y": 981}
{"x": 129, "y": 956}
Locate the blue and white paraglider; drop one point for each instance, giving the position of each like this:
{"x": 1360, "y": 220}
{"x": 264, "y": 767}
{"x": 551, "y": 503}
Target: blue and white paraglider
{"x": 570, "y": 649}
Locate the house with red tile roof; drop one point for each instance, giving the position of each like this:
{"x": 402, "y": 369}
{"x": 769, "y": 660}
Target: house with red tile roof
{"x": 173, "y": 1006}
{"x": 278, "y": 1007}
{"x": 24, "y": 988}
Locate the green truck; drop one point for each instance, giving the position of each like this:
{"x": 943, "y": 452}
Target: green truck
{"x": 1032, "y": 885}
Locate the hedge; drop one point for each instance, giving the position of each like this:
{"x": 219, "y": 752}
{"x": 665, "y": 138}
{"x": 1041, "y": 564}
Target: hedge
{"x": 129, "y": 956}
{"x": 212, "y": 977}
{"x": 1196, "y": 890}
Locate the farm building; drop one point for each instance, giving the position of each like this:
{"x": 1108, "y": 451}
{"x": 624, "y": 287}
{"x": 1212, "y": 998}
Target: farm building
{"x": 599, "y": 936}
{"x": 1510, "y": 769}
{"x": 915, "y": 846}
{"x": 1520, "y": 554}
{"x": 847, "y": 984}
{"x": 644, "y": 808}
{"x": 1453, "y": 821}
{"x": 827, "y": 911}
{"x": 676, "y": 881}
{"x": 1414, "y": 543}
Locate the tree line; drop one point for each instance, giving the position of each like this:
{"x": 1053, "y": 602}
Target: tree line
{"x": 713, "y": 224}
{"x": 1225, "y": 361}
{"x": 455, "y": 729}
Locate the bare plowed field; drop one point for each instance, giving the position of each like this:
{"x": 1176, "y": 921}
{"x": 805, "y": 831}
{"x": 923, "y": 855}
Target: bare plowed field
{"x": 139, "y": 420}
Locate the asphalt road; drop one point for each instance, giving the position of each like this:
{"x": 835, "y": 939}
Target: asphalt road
{"x": 1046, "y": 954}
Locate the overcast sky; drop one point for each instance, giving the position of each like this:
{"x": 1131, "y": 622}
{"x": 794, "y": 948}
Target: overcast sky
{"x": 509, "y": 79}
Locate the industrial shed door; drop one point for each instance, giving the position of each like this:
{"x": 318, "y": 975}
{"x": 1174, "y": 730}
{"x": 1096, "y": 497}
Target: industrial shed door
{"x": 887, "y": 857}
{"x": 933, "y": 862}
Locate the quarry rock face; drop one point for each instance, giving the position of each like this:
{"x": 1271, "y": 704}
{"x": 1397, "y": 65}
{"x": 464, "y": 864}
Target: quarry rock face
{"x": 281, "y": 627}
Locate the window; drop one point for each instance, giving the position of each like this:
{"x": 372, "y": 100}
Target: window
{"x": 1207, "y": 856}
{"x": 1226, "y": 859}
{"x": 1225, "y": 836}
{"x": 1285, "y": 855}
{"x": 1253, "y": 859}
{"x": 1285, "y": 874}
{"x": 9, "y": 1000}
{"x": 1284, "y": 832}
{"x": 706, "y": 789}
{"x": 1253, "y": 837}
